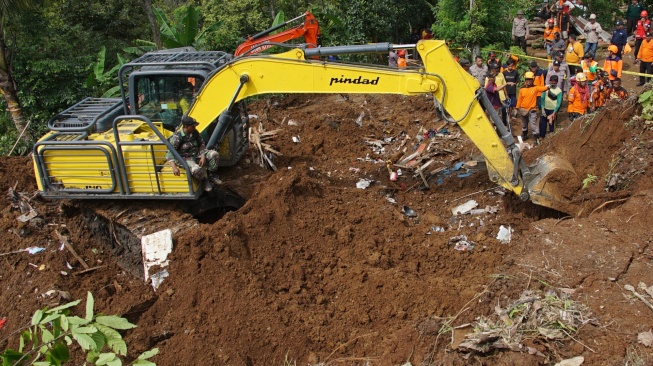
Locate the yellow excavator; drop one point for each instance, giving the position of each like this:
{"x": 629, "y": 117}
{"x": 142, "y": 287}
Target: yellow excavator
{"x": 125, "y": 157}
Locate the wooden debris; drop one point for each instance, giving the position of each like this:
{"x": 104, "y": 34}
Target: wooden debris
{"x": 257, "y": 137}
{"x": 89, "y": 270}
{"x": 64, "y": 240}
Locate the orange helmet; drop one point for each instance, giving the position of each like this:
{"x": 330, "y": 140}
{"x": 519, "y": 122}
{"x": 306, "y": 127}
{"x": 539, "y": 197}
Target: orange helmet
{"x": 612, "y": 48}
{"x": 550, "y": 21}
{"x": 643, "y": 14}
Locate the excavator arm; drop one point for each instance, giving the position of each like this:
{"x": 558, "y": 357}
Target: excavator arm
{"x": 259, "y": 42}
{"x": 455, "y": 92}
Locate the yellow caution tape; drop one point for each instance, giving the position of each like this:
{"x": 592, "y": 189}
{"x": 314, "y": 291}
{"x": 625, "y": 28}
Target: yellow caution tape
{"x": 547, "y": 60}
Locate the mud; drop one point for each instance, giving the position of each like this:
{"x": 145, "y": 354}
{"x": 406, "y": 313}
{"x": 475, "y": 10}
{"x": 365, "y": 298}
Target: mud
{"x": 314, "y": 270}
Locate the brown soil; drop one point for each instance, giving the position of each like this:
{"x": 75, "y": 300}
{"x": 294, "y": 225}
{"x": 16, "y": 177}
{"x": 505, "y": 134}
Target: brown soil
{"x": 313, "y": 270}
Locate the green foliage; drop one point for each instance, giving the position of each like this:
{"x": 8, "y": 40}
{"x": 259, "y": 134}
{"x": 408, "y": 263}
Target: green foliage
{"x": 104, "y": 83}
{"x": 646, "y": 100}
{"x": 52, "y": 331}
{"x": 589, "y": 180}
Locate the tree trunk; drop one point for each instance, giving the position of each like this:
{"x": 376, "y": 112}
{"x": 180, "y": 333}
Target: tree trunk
{"x": 8, "y": 90}
{"x": 156, "y": 32}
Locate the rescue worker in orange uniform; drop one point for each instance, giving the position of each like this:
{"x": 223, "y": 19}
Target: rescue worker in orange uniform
{"x": 613, "y": 64}
{"x": 527, "y": 106}
{"x": 645, "y": 55}
{"x": 589, "y": 67}
{"x": 600, "y": 90}
{"x": 549, "y": 34}
{"x": 579, "y": 97}
{"x": 401, "y": 60}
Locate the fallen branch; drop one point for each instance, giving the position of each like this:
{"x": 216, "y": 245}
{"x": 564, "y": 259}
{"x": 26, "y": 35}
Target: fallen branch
{"x": 64, "y": 240}
{"x": 607, "y": 203}
{"x": 89, "y": 270}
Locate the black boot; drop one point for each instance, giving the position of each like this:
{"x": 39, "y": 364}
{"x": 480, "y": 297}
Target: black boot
{"x": 524, "y": 135}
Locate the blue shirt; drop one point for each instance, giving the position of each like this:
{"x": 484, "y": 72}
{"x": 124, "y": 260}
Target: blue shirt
{"x": 619, "y": 37}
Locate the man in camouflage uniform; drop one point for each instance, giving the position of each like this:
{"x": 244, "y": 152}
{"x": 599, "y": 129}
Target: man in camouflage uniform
{"x": 190, "y": 145}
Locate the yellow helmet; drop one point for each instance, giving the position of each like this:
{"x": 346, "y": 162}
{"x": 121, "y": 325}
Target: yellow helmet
{"x": 612, "y": 48}
{"x": 581, "y": 77}
{"x": 529, "y": 75}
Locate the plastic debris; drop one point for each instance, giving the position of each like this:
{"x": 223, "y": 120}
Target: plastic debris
{"x": 157, "y": 278}
{"x": 461, "y": 243}
{"x": 34, "y": 250}
{"x": 437, "y": 229}
{"x": 363, "y": 183}
{"x": 359, "y": 120}
{"x": 391, "y": 200}
{"x": 393, "y": 176}
{"x": 464, "y": 208}
{"x": 2, "y": 322}
{"x": 645, "y": 338}
{"x": 576, "y": 361}
{"x": 504, "y": 234}
{"x": 155, "y": 248}
{"x": 408, "y": 211}
{"x": 295, "y": 139}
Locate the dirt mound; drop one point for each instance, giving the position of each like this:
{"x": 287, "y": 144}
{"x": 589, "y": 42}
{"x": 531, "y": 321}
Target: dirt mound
{"x": 595, "y": 148}
{"x": 315, "y": 270}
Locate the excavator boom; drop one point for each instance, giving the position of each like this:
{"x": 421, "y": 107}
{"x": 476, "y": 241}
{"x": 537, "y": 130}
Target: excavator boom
{"x": 455, "y": 92}
{"x": 309, "y": 29}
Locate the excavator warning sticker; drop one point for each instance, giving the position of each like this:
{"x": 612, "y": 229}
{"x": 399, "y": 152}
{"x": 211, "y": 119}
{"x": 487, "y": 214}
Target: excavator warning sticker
{"x": 359, "y": 80}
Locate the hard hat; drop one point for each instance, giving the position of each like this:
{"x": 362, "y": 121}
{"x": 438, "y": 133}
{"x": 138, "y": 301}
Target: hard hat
{"x": 529, "y": 75}
{"x": 643, "y": 14}
{"x": 612, "y": 48}
{"x": 401, "y": 52}
{"x": 581, "y": 77}
{"x": 592, "y": 16}
{"x": 550, "y": 21}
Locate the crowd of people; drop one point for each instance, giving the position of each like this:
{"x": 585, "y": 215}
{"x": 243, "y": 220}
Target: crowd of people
{"x": 572, "y": 76}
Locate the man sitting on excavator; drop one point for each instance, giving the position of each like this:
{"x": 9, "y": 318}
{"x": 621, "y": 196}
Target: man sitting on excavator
{"x": 190, "y": 145}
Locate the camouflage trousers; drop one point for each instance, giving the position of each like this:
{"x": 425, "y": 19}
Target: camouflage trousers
{"x": 200, "y": 173}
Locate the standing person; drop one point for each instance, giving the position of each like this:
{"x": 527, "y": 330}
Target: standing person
{"x": 562, "y": 76}
{"x": 643, "y": 27}
{"x": 632, "y": 15}
{"x": 613, "y": 64}
{"x": 500, "y": 80}
{"x": 549, "y": 34}
{"x": 619, "y": 37}
{"x": 645, "y": 55}
{"x": 579, "y": 97}
{"x": 574, "y": 54}
{"x": 564, "y": 25}
{"x": 617, "y": 91}
{"x": 512, "y": 76}
{"x": 479, "y": 70}
{"x": 564, "y": 67}
{"x": 492, "y": 58}
{"x": 593, "y": 29}
{"x": 526, "y": 106}
{"x": 589, "y": 68}
{"x": 559, "y": 44}
{"x": 520, "y": 30}
{"x": 190, "y": 145}
{"x": 600, "y": 90}
{"x": 539, "y": 74}
{"x": 550, "y": 103}
{"x": 392, "y": 58}
{"x": 493, "y": 90}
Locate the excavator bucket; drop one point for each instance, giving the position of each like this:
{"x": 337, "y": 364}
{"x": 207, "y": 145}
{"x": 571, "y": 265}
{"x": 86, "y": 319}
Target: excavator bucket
{"x": 553, "y": 181}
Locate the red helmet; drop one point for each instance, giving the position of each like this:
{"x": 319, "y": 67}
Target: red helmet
{"x": 401, "y": 53}
{"x": 643, "y": 14}
{"x": 550, "y": 21}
